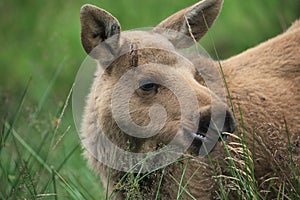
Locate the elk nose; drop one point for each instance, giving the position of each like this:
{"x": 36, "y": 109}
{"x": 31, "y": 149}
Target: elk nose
{"x": 229, "y": 124}
{"x": 222, "y": 119}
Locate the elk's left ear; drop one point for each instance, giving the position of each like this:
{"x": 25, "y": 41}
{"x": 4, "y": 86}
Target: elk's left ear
{"x": 98, "y": 25}
{"x": 195, "y": 19}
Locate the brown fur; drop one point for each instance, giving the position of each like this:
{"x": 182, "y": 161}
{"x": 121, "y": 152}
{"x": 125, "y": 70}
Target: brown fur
{"x": 263, "y": 80}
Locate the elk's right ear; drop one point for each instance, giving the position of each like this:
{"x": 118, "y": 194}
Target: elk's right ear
{"x": 98, "y": 26}
{"x": 193, "y": 21}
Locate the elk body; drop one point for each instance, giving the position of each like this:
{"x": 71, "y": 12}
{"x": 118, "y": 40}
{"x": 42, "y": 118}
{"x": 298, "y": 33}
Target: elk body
{"x": 263, "y": 83}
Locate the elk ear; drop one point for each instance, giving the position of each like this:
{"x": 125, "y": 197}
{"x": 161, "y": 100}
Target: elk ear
{"x": 195, "y": 20}
{"x": 98, "y": 26}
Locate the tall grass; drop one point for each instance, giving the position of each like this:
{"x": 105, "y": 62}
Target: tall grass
{"x": 40, "y": 159}
{"x": 40, "y": 153}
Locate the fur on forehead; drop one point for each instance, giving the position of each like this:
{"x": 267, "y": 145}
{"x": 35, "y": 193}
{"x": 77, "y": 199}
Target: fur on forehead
{"x": 132, "y": 42}
{"x": 146, "y": 39}
{"x": 140, "y": 57}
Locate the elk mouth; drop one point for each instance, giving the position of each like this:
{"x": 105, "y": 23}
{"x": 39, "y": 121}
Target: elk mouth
{"x": 210, "y": 135}
{"x": 200, "y": 138}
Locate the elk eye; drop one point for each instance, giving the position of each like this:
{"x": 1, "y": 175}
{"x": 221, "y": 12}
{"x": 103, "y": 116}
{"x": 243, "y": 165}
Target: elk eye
{"x": 148, "y": 86}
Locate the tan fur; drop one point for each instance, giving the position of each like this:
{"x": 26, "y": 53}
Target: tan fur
{"x": 264, "y": 81}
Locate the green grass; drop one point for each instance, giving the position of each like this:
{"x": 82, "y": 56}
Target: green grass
{"x": 40, "y": 54}
{"x": 42, "y": 158}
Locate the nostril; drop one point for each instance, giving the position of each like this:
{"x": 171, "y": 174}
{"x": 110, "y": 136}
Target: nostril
{"x": 205, "y": 119}
{"x": 229, "y": 124}
{"x": 204, "y": 123}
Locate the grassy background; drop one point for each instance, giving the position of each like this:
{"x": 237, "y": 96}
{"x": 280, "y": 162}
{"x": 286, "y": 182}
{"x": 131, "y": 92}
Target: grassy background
{"x": 40, "y": 55}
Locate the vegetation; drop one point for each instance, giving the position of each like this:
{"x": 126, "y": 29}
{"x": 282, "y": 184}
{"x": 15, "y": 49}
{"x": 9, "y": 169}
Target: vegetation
{"x": 41, "y": 52}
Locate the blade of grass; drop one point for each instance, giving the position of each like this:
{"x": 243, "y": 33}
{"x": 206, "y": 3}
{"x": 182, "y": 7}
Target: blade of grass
{"x": 54, "y": 183}
{"x": 87, "y": 194}
{"x": 16, "y": 114}
{"x": 75, "y": 194}
{"x": 159, "y": 184}
{"x": 181, "y": 180}
{"x": 149, "y": 172}
{"x": 220, "y": 66}
{"x": 187, "y": 192}
{"x": 28, "y": 148}
{"x": 63, "y": 183}
{"x": 60, "y": 166}
{"x": 190, "y": 178}
{"x": 66, "y": 103}
{"x": 68, "y": 156}
{"x": 248, "y": 162}
{"x": 107, "y": 185}
{"x": 55, "y": 131}
{"x": 29, "y": 183}
{"x": 49, "y": 88}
